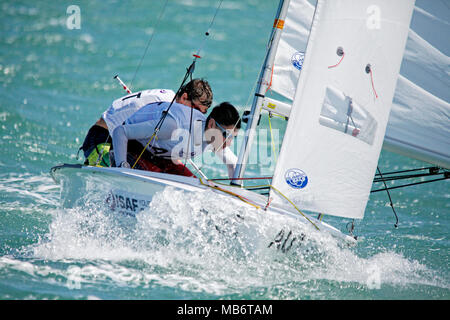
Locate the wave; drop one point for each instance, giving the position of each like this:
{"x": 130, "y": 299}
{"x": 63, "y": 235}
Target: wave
{"x": 200, "y": 244}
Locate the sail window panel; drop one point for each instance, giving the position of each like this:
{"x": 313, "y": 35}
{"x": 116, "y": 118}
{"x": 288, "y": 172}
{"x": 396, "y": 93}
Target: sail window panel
{"x": 344, "y": 114}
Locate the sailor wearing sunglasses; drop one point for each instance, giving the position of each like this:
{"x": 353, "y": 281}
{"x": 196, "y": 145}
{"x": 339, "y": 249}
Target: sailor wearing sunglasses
{"x": 165, "y": 153}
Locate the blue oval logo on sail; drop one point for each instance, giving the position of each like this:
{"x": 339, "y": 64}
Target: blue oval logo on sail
{"x": 297, "y": 60}
{"x": 296, "y": 178}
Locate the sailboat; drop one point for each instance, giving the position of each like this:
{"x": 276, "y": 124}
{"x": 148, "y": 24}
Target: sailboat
{"x": 336, "y": 64}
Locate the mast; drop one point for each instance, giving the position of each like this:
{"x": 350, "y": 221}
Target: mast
{"x": 263, "y": 84}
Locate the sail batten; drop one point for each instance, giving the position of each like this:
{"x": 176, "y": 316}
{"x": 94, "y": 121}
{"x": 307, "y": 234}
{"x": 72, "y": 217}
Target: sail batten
{"x": 339, "y": 115}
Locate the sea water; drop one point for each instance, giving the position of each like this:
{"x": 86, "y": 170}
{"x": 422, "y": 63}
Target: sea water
{"x": 57, "y": 64}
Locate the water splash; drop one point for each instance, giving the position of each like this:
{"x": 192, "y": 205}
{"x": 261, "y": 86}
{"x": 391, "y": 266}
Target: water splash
{"x": 203, "y": 244}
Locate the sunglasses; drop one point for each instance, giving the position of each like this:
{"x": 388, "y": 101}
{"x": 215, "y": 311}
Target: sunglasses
{"x": 227, "y": 133}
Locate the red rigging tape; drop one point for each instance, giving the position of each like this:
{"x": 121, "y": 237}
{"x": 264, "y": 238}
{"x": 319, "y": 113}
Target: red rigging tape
{"x": 373, "y": 86}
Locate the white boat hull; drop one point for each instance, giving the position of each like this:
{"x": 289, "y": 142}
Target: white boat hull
{"x": 128, "y": 192}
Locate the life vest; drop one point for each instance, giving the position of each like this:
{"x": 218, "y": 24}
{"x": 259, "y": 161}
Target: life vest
{"x": 121, "y": 109}
{"x": 100, "y": 156}
{"x": 177, "y": 147}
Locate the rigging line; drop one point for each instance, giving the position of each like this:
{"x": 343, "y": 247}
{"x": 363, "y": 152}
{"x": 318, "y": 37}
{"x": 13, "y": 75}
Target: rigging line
{"x": 209, "y": 28}
{"x": 213, "y": 186}
{"x": 254, "y": 178}
{"x": 255, "y": 83}
{"x": 189, "y": 72}
{"x": 342, "y": 58}
{"x": 198, "y": 56}
{"x": 410, "y": 170}
{"x": 407, "y": 176}
{"x": 257, "y": 188}
{"x": 409, "y": 184}
{"x": 100, "y": 155}
{"x": 390, "y": 200}
{"x": 368, "y": 70}
{"x": 197, "y": 168}
{"x": 353, "y": 122}
{"x": 215, "y": 15}
{"x": 373, "y": 86}
{"x": 149, "y": 41}
{"x": 304, "y": 216}
{"x": 349, "y": 117}
{"x": 164, "y": 115}
{"x": 190, "y": 132}
{"x": 244, "y": 187}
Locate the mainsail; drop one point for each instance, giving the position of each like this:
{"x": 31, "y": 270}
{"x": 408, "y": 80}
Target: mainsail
{"x": 418, "y": 126}
{"x": 341, "y": 106}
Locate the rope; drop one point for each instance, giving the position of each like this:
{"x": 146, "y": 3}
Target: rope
{"x": 369, "y": 70}
{"x": 410, "y": 184}
{"x": 148, "y": 43}
{"x": 390, "y": 200}
{"x": 214, "y": 186}
{"x": 334, "y": 66}
{"x": 209, "y": 29}
{"x": 373, "y": 86}
{"x": 304, "y": 216}
{"x": 190, "y": 132}
{"x": 189, "y": 73}
{"x": 411, "y": 170}
{"x": 254, "y": 178}
{"x": 406, "y": 176}
{"x": 390, "y": 176}
{"x": 166, "y": 112}
{"x": 210, "y": 185}
{"x": 142, "y": 152}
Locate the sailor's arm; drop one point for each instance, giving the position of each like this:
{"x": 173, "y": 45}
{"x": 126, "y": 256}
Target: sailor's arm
{"x": 139, "y": 131}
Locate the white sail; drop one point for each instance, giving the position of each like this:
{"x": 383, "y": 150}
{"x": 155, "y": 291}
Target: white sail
{"x": 340, "y": 111}
{"x": 419, "y": 124}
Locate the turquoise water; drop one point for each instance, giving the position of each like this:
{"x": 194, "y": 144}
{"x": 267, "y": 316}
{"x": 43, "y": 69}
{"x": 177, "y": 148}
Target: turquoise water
{"x": 56, "y": 81}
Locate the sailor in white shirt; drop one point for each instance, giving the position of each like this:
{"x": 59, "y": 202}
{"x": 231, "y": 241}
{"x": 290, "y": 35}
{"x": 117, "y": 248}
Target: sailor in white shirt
{"x": 98, "y": 138}
{"x": 185, "y": 133}
{"x": 197, "y": 95}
